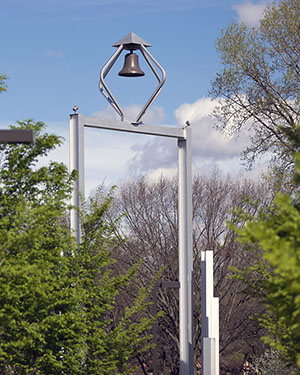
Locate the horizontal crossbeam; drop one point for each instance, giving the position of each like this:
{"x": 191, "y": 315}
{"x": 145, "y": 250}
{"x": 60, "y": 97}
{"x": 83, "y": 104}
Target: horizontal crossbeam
{"x": 164, "y": 131}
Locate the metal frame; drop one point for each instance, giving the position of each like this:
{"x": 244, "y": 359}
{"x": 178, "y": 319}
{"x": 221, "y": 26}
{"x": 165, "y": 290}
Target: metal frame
{"x": 132, "y": 42}
{"x": 185, "y": 251}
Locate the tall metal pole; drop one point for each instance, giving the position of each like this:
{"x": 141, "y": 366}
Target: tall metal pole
{"x": 189, "y": 179}
{"x": 185, "y": 255}
{"x": 185, "y": 246}
{"x": 76, "y": 163}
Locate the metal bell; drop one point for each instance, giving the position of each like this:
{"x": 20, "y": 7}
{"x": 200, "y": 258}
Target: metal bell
{"x": 131, "y": 66}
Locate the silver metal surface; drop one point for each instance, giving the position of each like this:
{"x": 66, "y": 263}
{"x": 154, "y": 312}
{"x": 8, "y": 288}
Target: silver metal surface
{"x": 124, "y": 126}
{"x": 131, "y": 42}
{"x": 105, "y": 91}
{"x": 76, "y": 163}
{"x": 16, "y": 136}
{"x": 131, "y": 39}
{"x": 161, "y": 81}
{"x": 185, "y": 257}
{"x": 189, "y": 226}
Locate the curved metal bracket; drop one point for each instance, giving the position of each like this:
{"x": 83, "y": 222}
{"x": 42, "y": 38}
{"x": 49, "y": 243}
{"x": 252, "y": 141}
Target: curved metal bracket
{"x": 105, "y": 91}
{"x": 161, "y": 80}
{"x": 104, "y": 88}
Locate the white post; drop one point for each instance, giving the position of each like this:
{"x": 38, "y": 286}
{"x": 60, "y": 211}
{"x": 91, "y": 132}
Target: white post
{"x": 77, "y": 163}
{"x": 185, "y": 255}
{"x": 189, "y": 178}
{"x": 210, "y": 317}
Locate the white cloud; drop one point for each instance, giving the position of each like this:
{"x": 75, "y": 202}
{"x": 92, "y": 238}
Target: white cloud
{"x": 112, "y": 156}
{"x": 208, "y": 142}
{"x": 250, "y": 13}
{"x": 201, "y": 108}
{"x": 210, "y": 148}
{"x": 158, "y": 152}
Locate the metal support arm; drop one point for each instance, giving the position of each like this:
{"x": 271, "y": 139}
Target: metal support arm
{"x": 106, "y": 92}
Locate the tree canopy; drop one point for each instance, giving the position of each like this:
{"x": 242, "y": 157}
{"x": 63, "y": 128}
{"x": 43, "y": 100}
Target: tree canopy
{"x": 57, "y": 299}
{"x": 259, "y": 92}
{"x": 259, "y": 84}
{"x": 274, "y": 278}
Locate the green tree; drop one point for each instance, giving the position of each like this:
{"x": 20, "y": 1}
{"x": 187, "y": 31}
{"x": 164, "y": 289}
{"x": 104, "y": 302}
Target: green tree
{"x": 57, "y": 299}
{"x": 275, "y": 276}
{"x": 259, "y": 85}
{"x": 114, "y": 337}
{"x": 39, "y": 317}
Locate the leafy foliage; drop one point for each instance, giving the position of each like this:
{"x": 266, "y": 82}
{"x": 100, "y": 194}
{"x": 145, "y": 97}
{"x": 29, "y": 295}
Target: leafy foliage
{"x": 57, "y": 299}
{"x": 259, "y": 90}
{"x": 39, "y": 317}
{"x": 111, "y": 342}
{"x": 275, "y": 278}
{"x": 260, "y": 80}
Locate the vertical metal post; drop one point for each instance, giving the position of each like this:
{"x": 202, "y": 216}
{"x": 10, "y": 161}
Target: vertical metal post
{"x": 210, "y": 317}
{"x": 185, "y": 255}
{"x": 77, "y": 163}
{"x": 189, "y": 198}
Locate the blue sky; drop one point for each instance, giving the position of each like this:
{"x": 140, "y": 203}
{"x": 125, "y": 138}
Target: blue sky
{"x": 52, "y": 52}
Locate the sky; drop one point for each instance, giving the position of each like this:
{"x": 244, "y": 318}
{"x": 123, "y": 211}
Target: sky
{"x": 53, "y": 50}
